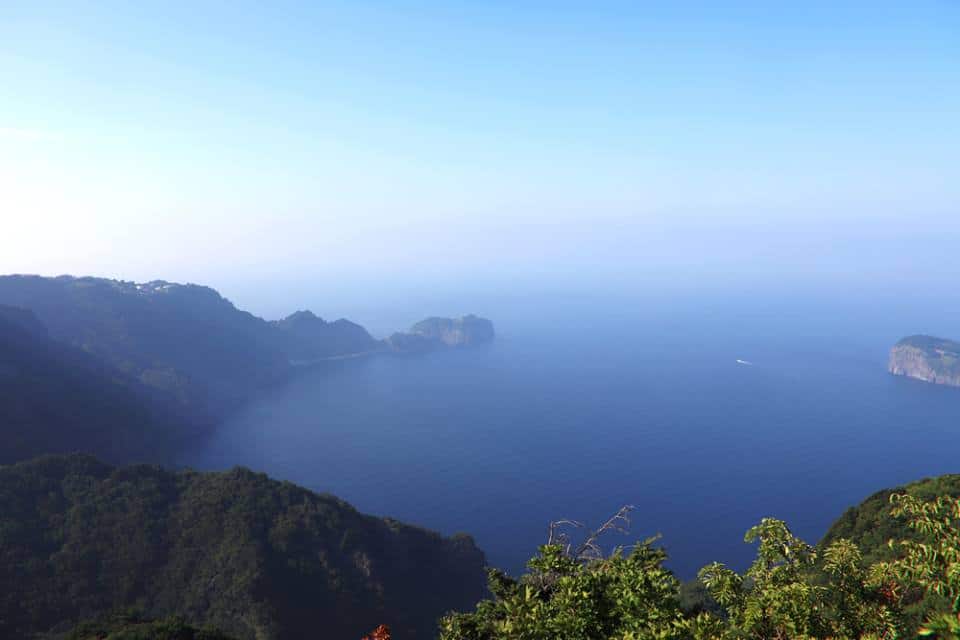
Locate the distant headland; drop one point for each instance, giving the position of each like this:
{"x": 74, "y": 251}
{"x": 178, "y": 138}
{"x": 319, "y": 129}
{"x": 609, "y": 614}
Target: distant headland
{"x": 934, "y": 360}
{"x": 440, "y": 333}
{"x": 134, "y": 368}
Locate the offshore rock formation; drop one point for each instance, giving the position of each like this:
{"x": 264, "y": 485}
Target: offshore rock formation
{"x": 926, "y": 358}
{"x": 437, "y": 333}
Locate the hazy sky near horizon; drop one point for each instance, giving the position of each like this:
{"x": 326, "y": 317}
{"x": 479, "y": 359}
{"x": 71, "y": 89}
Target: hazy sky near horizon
{"x": 214, "y": 142}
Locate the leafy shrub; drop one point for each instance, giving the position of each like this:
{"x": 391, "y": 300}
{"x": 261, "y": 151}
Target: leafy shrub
{"x": 791, "y": 591}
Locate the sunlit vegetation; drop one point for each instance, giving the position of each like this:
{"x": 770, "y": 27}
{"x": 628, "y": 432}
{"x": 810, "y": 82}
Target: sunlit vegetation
{"x": 256, "y": 558}
{"x": 792, "y": 590}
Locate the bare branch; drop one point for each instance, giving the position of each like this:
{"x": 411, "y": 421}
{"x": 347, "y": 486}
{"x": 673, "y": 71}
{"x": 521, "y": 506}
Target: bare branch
{"x": 556, "y": 536}
{"x": 590, "y": 548}
{"x": 618, "y": 522}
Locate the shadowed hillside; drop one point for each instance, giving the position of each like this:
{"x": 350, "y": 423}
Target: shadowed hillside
{"x": 55, "y": 398}
{"x": 184, "y": 339}
{"x": 252, "y": 556}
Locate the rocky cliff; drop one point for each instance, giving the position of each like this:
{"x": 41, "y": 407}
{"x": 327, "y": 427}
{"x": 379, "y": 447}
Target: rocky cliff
{"x": 434, "y": 333}
{"x": 927, "y": 358}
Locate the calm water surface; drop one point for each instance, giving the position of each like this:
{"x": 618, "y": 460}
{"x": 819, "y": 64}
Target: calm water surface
{"x": 582, "y": 406}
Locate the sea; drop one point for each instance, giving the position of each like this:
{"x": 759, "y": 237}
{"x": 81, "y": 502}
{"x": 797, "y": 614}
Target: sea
{"x": 705, "y": 410}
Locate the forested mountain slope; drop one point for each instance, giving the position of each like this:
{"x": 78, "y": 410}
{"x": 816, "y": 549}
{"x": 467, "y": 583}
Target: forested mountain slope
{"x": 55, "y": 398}
{"x": 184, "y": 339}
{"x": 257, "y": 558}
{"x": 870, "y": 526}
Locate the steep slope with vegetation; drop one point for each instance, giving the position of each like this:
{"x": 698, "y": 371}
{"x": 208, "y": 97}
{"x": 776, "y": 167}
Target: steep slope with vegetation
{"x": 186, "y": 340}
{"x": 131, "y": 626}
{"x": 307, "y": 337}
{"x": 262, "y": 559}
{"x": 869, "y": 525}
{"x": 56, "y": 399}
{"x": 257, "y": 558}
{"x": 195, "y": 346}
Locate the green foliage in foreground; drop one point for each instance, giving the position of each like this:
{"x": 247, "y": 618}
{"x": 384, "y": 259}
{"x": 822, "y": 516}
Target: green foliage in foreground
{"x": 792, "y": 591}
{"x": 623, "y": 596}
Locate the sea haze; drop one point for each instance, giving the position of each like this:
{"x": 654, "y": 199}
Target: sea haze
{"x": 583, "y": 404}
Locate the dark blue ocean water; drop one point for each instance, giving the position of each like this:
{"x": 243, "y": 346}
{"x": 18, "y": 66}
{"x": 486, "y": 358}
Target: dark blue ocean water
{"x": 584, "y": 404}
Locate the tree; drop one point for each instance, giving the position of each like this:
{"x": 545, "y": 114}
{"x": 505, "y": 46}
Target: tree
{"x": 925, "y": 576}
{"x": 785, "y": 594}
{"x": 792, "y": 591}
{"x": 578, "y": 593}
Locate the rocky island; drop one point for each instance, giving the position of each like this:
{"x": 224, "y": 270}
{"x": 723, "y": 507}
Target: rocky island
{"x": 927, "y": 358}
{"x": 438, "y": 333}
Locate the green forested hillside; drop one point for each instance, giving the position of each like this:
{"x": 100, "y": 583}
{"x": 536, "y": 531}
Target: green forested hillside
{"x": 193, "y": 345}
{"x": 127, "y": 626}
{"x": 55, "y": 398}
{"x": 870, "y": 526}
{"x": 186, "y": 340}
{"x": 260, "y": 559}
{"x": 257, "y": 558}
{"x": 304, "y": 337}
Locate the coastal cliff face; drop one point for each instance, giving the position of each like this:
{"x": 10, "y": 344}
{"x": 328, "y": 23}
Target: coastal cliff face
{"x": 434, "y": 333}
{"x": 455, "y": 332}
{"x": 926, "y": 358}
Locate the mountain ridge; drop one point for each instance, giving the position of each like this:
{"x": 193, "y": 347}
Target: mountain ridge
{"x": 256, "y": 557}
{"x": 192, "y": 343}
{"x": 56, "y": 398}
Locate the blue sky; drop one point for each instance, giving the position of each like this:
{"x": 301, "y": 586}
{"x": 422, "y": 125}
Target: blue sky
{"x": 218, "y": 141}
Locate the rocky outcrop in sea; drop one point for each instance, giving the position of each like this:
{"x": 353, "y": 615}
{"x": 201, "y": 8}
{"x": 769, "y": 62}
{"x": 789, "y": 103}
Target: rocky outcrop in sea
{"x": 926, "y": 358}
{"x": 438, "y": 333}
